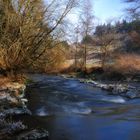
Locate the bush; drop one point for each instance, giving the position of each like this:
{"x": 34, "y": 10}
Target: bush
{"x": 128, "y": 64}
{"x": 29, "y": 32}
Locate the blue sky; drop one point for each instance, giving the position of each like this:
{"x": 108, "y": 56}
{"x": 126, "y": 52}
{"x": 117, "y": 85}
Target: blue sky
{"x": 105, "y": 11}
{"x": 108, "y": 9}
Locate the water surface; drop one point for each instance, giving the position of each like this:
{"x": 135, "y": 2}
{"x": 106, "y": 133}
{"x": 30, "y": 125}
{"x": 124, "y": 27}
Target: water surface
{"x": 71, "y": 110}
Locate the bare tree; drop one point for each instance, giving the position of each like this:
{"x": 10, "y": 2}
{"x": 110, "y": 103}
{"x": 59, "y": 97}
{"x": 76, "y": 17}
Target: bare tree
{"x": 87, "y": 25}
{"x": 134, "y": 8}
{"x": 28, "y": 29}
{"x": 76, "y": 46}
{"x": 134, "y": 14}
{"x": 108, "y": 43}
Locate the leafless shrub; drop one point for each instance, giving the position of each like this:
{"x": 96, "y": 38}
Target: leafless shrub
{"x": 28, "y": 29}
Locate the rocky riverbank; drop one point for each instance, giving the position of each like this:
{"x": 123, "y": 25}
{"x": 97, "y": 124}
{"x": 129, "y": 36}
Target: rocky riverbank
{"x": 13, "y": 103}
{"x": 122, "y": 89}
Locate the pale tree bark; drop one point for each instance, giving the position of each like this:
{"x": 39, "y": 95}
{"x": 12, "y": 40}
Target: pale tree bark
{"x": 87, "y": 26}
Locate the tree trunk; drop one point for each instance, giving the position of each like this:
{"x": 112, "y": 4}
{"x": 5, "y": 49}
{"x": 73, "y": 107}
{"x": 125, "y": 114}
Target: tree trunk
{"x": 85, "y": 58}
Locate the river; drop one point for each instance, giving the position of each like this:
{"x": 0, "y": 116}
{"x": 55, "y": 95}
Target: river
{"x": 71, "y": 110}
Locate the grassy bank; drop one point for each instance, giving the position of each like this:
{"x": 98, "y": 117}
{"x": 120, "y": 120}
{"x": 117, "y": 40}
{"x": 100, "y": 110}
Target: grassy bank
{"x": 125, "y": 67}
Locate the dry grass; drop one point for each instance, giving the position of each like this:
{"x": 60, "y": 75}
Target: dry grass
{"x": 4, "y": 80}
{"x": 20, "y": 78}
{"x": 126, "y": 64}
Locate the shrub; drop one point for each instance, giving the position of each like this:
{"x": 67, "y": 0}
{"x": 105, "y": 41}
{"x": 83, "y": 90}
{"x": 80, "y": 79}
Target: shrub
{"x": 125, "y": 64}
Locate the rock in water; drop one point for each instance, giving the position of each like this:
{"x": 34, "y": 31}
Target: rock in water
{"x": 17, "y": 111}
{"x": 8, "y": 128}
{"x": 36, "y": 134}
{"x": 132, "y": 94}
{"x": 120, "y": 88}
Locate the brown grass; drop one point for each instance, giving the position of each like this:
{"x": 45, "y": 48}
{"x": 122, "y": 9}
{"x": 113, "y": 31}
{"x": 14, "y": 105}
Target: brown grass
{"x": 126, "y": 64}
{"x": 4, "y": 80}
{"x": 20, "y": 78}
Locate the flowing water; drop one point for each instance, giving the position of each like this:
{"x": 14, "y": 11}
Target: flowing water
{"x": 71, "y": 110}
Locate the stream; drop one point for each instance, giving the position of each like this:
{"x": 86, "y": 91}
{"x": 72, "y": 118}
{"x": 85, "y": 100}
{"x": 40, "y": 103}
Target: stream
{"x": 71, "y": 110}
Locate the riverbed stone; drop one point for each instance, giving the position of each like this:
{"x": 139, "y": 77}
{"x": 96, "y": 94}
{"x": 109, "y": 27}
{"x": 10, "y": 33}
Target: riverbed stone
{"x": 119, "y": 89}
{"x": 12, "y": 103}
{"x": 107, "y": 87}
{"x": 8, "y": 128}
{"x": 36, "y": 134}
{"x": 124, "y": 90}
{"x": 17, "y": 111}
{"x": 132, "y": 94}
